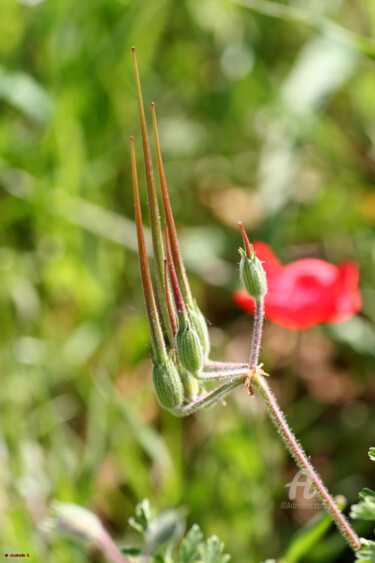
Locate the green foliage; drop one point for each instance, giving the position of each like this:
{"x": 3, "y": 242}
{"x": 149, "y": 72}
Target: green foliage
{"x": 212, "y": 551}
{"x": 143, "y": 515}
{"x": 367, "y": 554}
{"x": 162, "y": 536}
{"x": 189, "y": 550}
{"x": 306, "y": 539}
{"x": 365, "y": 510}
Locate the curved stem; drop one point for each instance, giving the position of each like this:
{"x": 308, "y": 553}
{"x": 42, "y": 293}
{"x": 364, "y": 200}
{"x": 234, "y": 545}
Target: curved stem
{"x": 110, "y": 549}
{"x": 212, "y": 364}
{"x": 257, "y": 333}
{"x": 217, "y": 375}
{"x": 299, "y": 456}
{"x": 211, "y": 398}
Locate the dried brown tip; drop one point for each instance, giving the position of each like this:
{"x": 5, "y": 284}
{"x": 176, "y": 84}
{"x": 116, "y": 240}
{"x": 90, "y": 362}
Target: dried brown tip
{"x": 248, "y": 247}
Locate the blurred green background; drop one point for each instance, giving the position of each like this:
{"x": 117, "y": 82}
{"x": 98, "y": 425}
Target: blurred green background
{"x": 261, "y": 119}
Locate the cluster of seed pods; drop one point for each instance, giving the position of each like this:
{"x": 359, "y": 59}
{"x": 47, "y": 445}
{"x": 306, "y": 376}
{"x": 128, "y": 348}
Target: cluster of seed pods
{"x": 178, "y": 329}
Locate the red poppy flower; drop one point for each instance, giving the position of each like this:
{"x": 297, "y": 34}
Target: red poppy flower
{"x": 307, "y": 292}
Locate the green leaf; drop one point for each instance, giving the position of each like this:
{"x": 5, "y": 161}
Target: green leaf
{"x": 130, "y": 551}
{"x": 212, "y": 551}
{"x": 306, "y": 539}
{"x": 371, "y": 454}
{"x": 168, "y": 527}
{"x": 367, "y": 554}
{"x": 366, "y": 493}
{"x": 159, "y": 558}
{"x": 364, "y": 510}
{"x": 189, "y": 550}
{"x": 143, "y": 515}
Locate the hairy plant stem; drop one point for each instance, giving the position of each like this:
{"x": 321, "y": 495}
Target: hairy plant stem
{"x": 212, "y": 364}
{"x": 296, "y": 451}
{"x": 212, "y": 397}
{"x": 299, "y": 456}
{"x": 217, "y": 375}
{"x": 257, "y": 333}
{"x": 111, "y": 550}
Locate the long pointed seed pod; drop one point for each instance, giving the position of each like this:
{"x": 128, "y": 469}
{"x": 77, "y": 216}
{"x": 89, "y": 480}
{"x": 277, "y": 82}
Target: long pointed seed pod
{"x": 195, "y": 315}
{"x": 175, "y": 248}
{"x": 188, "y": 344}
{"x": 157, "y": 339}
{"x": 177, "y": 294}
{"x": 157, "y": 237}
{"x": 165, "y": 378}
{"x": 172, "y": 316}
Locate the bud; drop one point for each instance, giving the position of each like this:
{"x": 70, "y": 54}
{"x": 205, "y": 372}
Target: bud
{"x": 253, "y": 276}
{"x": 167, "y": 384}
{"x": 73, "y": 521}
{"x": 189, "y": 349}
{"x": 199, "y": 324}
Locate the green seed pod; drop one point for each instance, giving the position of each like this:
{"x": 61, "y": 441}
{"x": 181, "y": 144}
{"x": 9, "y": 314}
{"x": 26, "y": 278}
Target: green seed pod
{"x": 199, "y": 324}
{"x": 167, "y": 384}
{"x": 189, "y": 349}
{"x": 191, "y": 385}
{"x": 253, "y": 276}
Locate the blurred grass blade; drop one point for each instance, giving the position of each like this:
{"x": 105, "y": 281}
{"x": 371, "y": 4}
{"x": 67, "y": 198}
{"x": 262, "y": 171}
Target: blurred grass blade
{"x": 321, "y": 68}
{"x": 307, "y": 538}
{"x": 314, "y": 22}
{"x": 24, "y": 93}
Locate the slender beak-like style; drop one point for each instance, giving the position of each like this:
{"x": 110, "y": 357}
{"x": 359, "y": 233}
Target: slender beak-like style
{"x": 179, "y": 335}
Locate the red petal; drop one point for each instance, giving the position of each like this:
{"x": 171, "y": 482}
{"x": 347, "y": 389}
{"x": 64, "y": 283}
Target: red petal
{"x": 348, "y": 299}
{"x": 301, "y": 296}
{"x": 307, "y": 292}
